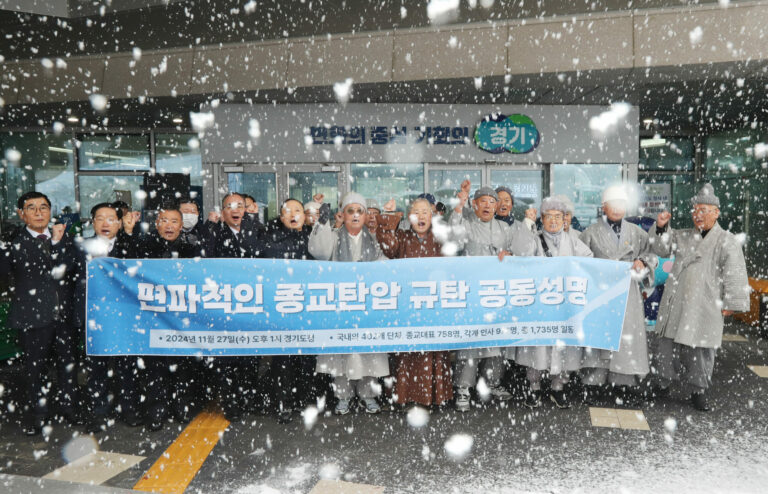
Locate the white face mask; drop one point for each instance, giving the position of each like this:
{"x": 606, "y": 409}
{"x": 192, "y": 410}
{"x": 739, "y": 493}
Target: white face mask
{"x": 189, "y": 220}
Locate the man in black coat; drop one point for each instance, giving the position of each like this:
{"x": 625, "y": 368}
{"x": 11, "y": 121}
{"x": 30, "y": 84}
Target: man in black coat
{"x": 193, "y": 231}
{"x": 287, "y": 237}
{"x": 40, "y": 262}
{"x": 168, "y": 391}
{"x": 234, "y": 376}
{"x": 106, "y": 242}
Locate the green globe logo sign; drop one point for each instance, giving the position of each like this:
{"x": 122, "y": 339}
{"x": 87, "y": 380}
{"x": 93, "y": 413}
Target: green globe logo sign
{"x": 516, "y": 134}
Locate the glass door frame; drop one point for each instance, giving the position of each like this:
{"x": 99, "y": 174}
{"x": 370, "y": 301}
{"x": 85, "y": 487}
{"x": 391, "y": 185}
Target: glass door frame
{"x": 281, "y": 172}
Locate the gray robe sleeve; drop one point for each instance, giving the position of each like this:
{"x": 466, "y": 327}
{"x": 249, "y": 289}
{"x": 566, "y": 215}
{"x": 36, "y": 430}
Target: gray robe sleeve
{"x": 735, "y": 286}
{"x": 520, "y": 241}
{"x": 650, "y": 259}
{"x": 459, "y": 229}
{"x": 661, "y": 245}
{"x": 322, "y": 241}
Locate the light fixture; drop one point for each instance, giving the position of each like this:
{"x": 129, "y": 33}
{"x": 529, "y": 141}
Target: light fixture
{"x": 178, "y": 120}
{"x": 648, "y": 121}
{"x": 72, "y": 119}
{"x": 653, "y": 143}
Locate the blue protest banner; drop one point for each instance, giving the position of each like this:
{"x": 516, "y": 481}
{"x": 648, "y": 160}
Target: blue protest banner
{"x": 279, "y": 307}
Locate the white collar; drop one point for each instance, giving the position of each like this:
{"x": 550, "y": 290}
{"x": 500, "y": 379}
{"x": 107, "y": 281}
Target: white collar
{"x": 37, "y": 234}
{"x": 111, "y": 242}
{"x": 235, "y": 231}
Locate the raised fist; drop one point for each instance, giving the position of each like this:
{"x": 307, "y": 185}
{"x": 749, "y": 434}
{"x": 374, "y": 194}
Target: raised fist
{"x": 318, "y": 197}
{"x": 390, "y": 206}
{"x": 57, "y": 231}
{"x": 214, "y": 217}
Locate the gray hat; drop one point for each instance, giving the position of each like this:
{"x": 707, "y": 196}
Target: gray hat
{"x": 372, "y": 204}
{"x": 550, "y": 203}
{"x": 485, "y": 191}
{"x": 706, "y": 196}
{"x": 503, "y": 188}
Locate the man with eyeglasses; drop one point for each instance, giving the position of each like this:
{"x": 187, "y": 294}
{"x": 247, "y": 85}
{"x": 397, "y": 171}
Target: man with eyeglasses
{"x": 232, "y": 238}
{"x": 479, "y": 233}
{"x": 708, "y": 282}
{"x": 40, "y": 261}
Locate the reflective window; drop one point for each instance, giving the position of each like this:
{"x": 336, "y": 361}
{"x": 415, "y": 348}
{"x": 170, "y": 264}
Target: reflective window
{"x": 173, "y": 154}
{"x": 262, "y": 186}
{"x": 305, "y": 185}
{"x": 36, "y": 161}
{"x": 114, "y": 152}
{"x": 734, "y": 153}
{"x": 401, "y": 182}
{"x": 668, "y": 192}
{"x": 666, "y": 154}
{"x": 107, "y": 188}
{"x": 584, "y": 184}
{"x": 526, "y": 185}
{"x": 444, "y": 184}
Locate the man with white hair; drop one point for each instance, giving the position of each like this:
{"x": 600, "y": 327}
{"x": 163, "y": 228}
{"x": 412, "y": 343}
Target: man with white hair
{"x": 612, "y": 237}
{"x": 708, "y": 282}
{"x": 480, "y": 234}
{"x": 556, "y": 361}
{"x": 353, "y": 374}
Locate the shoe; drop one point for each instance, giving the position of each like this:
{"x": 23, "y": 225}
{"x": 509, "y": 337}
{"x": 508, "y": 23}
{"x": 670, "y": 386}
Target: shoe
{"x": 533, "y": 400}
{"x": 560, "y": 399}
{"x": 285, "y": 416}
{"x": 700, "y": 403}
{"x": 131, "y": 419}
{"x": 593, "y": 396}
{"x": 182, "y": 416}
{"x": 154, "y": 425}
{"x": 342, "y": 407}
{"x": 233, "y": 414}
{"x": 72, "y": 417}
{"x": 371, "y": 406}
{"x": 96, "y": 425}
{"x": 462, "y": 399}
{"x": 500, "y": 393}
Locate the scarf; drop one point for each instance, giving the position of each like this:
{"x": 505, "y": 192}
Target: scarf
{"x": 369, "y": 248}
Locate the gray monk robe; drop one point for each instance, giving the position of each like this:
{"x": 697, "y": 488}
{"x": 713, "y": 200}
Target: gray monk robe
{"x": 709, "y": 275}
{"x": 339, "y": 245}
{"x": 486, "y": 238}
{"x": 554, "y": 359}
{"x": 629, "y": 365}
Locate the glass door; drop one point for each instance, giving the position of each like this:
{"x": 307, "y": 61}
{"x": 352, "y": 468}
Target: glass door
{"x": 445, "y": 181}
{"x": 258, "y": 182}
{"x": 584, "y": 184}
{"x": 527, "y": 183}
{"x": 305, "y": 181}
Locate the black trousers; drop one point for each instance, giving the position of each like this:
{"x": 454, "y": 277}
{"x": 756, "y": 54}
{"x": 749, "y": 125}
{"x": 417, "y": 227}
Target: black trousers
{"x": 172, "y": 385}
{"x": 124, "y": 377}
{"x": 294, "y": 380}
{"x": 234, "y": 379}
{"x": 55, "y": 341}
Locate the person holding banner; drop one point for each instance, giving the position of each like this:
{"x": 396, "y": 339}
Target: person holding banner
{"x": 233, "y": 239}
{"x": 480, "y": 234}
{"x": 353, "y": 374}
{"x": 423, "y": 378}
{"x": 287, "y": 237}
{"x": 107, "y": 243}
{"x": 612, "y": 237}
{"x": 708, "y": 282}
{"x": 168, "y": 391}
{"x": 557, "y": 361}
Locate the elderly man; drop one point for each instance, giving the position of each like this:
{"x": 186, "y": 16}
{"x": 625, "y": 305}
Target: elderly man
{"x": 505, "y": 205}
{"x": 233, "y": 239}
{"x": 353, "y": 374}
{"x": 39, "y": 261}
{"x": 614, "y": 238}
{"x": 708, "y": 282}
{"x": 556, "y": 361}
{"x": 167, "y": 391}
{"x": 480, "y": 234}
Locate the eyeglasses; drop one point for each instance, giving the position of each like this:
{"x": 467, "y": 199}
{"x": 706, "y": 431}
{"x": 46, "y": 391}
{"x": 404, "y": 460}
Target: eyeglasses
{"x": 235, "y": 205}
{"x": 703, "y": 210}
{"x": 552, "y": 217}
{"x": 43, "y": 208}
{"x": 355, "y": 211}
{"x": 107, "y": 220}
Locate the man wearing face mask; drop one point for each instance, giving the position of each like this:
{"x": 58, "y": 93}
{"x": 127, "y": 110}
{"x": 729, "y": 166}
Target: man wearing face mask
{"x": 287, "y": 237}
{"x": 233, "y": 239}
{"x": 708, "y": 282}
{"x": 612, "y": 237}
{"x": 556, "y": 361}
{"x": 193, "y": 231}
{"x": 480, "y": 234}
{"x": 353, "y": 374}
